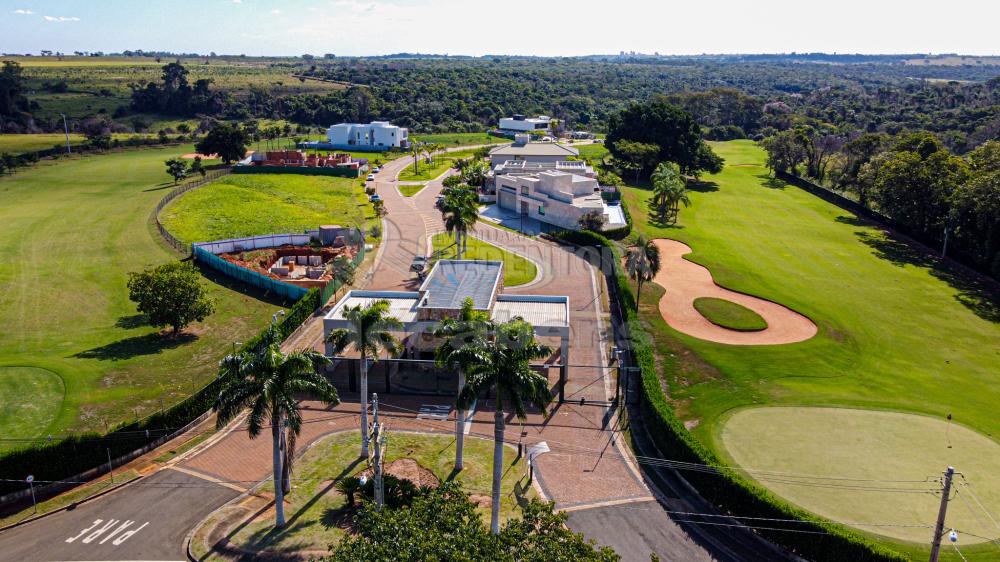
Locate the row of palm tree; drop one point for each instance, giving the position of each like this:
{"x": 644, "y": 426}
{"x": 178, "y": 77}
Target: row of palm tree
{"x": 459, "y": 211}
{"x": 490, "y": 357}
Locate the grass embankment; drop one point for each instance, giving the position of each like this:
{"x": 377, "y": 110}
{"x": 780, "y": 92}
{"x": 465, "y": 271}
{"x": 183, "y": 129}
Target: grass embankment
{"x": 517, "y": 270}
{"x": 72, "y": 230}
{"x": 897, "y": 330}
{"x": 730, "y": 315}
{"x": 254, "y": 204}
{"x": 317, "y": 514}
{"x": 443, "y": 161}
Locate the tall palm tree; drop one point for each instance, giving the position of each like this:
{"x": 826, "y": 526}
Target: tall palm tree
{"x": 370, "y": 332}
{"x": 267, "y": 382}
{"x": 469, "y": 329}
{"x": 499, "y": 363}
{"x": 642, "y": 262}
{"x": 460, "y": 211}
{"x": 669, "y": 190}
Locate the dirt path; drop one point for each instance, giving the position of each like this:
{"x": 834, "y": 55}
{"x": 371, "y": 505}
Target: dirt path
{"x": 684, "y": 281}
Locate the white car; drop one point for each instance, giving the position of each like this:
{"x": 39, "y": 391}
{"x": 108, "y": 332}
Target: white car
{"x": 371, "y": 177}
{"x": 376, "y": 169}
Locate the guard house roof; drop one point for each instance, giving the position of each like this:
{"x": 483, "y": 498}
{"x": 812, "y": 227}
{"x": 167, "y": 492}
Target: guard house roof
{"x": 453, "y": 281}
{"x": 535, "y": 149}
{"x": 402, "y": 304}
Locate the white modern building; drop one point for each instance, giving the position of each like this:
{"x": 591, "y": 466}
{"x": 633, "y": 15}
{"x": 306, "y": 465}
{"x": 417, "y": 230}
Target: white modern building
{"x": 556, "y": 197}
{"x": 524, "y": 149}
{"x": 375, "y": 136}
{"x": 522, "y": 124}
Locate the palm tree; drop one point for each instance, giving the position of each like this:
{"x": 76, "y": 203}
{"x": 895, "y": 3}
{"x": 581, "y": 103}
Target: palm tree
{"x": 669, "y": 190}
{"x": 370, "y": 332}
{"x": 268, "y": 382}
{"x": 642, "y": 262}
{"x": 469, "y": 329}
{"x": 460, "y": 212}
{"x": 499, "y": 363}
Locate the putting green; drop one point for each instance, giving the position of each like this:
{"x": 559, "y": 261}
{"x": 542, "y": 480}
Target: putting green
{"x": 859, "y": 452}
{"x": 31, "y": 398}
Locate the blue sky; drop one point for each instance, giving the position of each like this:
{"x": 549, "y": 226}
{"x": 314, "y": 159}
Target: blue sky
{"x": 476, "y": 27}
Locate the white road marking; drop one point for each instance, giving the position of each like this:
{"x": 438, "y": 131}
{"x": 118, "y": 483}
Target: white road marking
{"x": 96, "y": 532}
{"x": 437, "y": 412}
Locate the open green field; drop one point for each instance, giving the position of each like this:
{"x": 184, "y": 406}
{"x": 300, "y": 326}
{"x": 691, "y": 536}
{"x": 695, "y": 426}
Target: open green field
{"x": 316, "y": 508}
{"x": 101, "y": 83}
{"x": 897, "y": 329}
{"x": 729, "y": 315}
{"x": 517, "y": 270}
{"x": 71, "y": 231}
{"x": 16, "y": 144}
{"x": 252, "y": 204}
{"x": 593, "y": 152}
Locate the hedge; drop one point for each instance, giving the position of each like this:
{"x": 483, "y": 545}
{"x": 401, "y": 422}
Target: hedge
{"x": 58, "y": 460}
{"x": 725, "y": 488}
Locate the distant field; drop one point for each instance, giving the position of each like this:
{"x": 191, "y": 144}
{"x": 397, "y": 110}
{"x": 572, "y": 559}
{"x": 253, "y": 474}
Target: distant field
{"x": 16, "y": 144}
{"x": 593, "y": 152}
{"x": 954, "y": 61}
{"x": 253, "y": 204}
{"x": 72, "y": 230}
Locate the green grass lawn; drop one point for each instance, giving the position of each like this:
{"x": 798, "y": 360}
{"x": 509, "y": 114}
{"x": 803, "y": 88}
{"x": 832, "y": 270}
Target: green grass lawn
{"x": 251, "y": 204}
{"x": 516, "y": 269}
{"x": 442, "y": 162}
{"x": 315, "y": 509}
{"x": 72, "y": 230}
{"x": 16, "y": 144}
{"x": 897, "y": 330}
{"x": 729, "y": 314}
{"x": 458, "y": 139}
{"x": 593, "y": 152}
{"x": 411, "y": 189}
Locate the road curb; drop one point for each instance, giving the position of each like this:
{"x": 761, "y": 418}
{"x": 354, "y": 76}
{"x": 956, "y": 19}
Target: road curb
{"x": 72, "y": 505}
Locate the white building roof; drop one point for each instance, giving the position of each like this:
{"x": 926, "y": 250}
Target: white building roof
{"x": 535, "y": 149}
{"x": 402, "y": 305}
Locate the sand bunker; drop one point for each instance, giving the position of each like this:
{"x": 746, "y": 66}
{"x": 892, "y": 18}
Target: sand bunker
{"x": 685, "y": 281}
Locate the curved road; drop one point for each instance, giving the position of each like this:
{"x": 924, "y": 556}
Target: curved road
{"x": 587, "y": 473}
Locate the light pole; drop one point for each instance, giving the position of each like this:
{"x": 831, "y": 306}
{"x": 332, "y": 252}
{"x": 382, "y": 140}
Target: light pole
{"x": 66, "y": 130}
{"x": 30, "y": 480}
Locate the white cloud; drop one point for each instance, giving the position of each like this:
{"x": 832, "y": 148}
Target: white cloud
{"x": 22, "y": 12}
{"x": 237, "y": 1}
{"x": 61, "y": 18}
{"x": 355, "y": 6}
{"x": 275, "y": 11}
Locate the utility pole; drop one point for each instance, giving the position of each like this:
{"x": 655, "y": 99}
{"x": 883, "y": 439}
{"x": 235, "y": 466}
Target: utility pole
{"x": 66, "y": 129}
{"x": 939, "y": 526}
{"x": 377, "y": 438}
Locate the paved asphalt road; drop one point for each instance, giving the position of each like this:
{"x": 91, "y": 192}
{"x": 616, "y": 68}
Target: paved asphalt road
{"x": 147, "y": 523}
{"x": 634, "y": 530}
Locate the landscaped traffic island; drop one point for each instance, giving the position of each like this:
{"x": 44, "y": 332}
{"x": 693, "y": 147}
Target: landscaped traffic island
{"x": 518, "y": 270}
{"x": 320, "y": 515}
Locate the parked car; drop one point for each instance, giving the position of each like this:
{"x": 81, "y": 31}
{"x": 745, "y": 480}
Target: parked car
{"x": 376, "y": 169}
{"x": 598, "y": 141}
{"x": 419, "y": 264}
{"x": 374, "y": 197}
{"x": 371, "y": 177}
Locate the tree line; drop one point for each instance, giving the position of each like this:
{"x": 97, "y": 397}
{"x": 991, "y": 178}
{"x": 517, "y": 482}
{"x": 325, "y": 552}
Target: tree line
{"x": 913, "y": 178}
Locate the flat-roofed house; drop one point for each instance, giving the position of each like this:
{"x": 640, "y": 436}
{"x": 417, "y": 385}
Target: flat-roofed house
{"x": 555, "y": 197}
{"x": 442, "y": 294}
{"x": 523, "y": 149}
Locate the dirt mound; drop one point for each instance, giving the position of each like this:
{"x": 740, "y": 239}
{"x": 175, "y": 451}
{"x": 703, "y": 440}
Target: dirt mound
{"x": 409, "y": 469}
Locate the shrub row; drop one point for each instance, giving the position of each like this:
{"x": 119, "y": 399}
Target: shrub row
{"x": 726, "y": 489}
{"x": 66, "y": 457}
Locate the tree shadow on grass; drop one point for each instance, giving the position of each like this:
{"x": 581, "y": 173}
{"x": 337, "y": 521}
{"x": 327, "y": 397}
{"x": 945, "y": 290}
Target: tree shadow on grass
{"x": 149, "y": 344}
{"x": 218, "y": 278}
{"x": 702, "y": 186}
{"x": 771, "y": 182}
{"x": 132, "y": 322}
{"x": 161, "y": 187}
{"x": 974, "y": 293}
{"x": 853, "y": 221}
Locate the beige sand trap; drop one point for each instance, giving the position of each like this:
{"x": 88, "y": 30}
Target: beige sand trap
{"x": 193, "y": 155}
{"x": 685, "y": 281}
